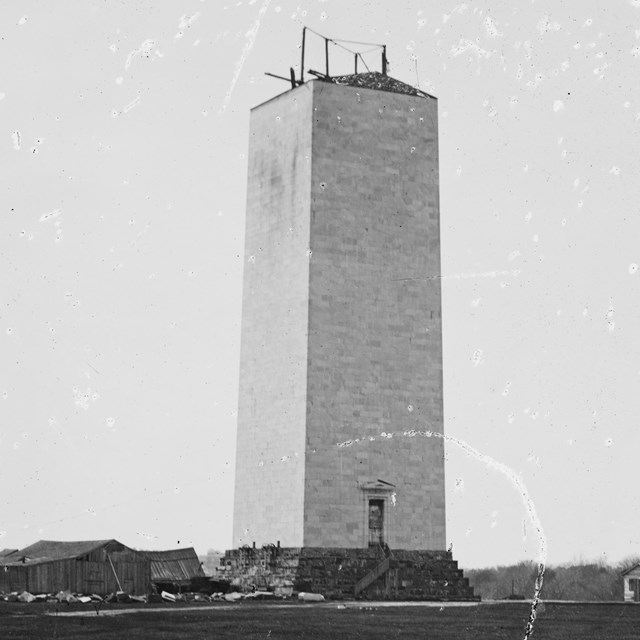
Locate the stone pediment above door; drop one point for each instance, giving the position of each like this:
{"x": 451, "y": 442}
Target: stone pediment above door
{"x": 377, "y": 485}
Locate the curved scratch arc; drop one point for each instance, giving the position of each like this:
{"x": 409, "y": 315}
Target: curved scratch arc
{"x": 516, "y": 481}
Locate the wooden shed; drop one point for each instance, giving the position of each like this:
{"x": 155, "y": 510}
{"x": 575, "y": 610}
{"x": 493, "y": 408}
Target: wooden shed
{"x": 632, "y": 583}
{"x": 94, "y": 566}
{"x": 174, "y": 570}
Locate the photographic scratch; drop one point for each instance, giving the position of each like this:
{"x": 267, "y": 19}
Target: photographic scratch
{"x": 516, "y": 483}
{"x": 134, "y": 103}
{"x": 251, "y": 38}
{"x": 92, "y": 367}
{"x": 466, "y": 276}
{"x": 48, "y": 216}
{"x": 144, "y": 48}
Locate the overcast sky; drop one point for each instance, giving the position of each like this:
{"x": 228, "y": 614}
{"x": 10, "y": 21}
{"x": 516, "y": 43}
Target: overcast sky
{"x": 123, "y": 142}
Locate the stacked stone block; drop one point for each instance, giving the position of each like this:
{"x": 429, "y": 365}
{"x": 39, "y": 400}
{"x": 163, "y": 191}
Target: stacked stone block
{"x": 341, "y": 333}
{"x": 414, "y": 575}
{"x": 341, "y": 348}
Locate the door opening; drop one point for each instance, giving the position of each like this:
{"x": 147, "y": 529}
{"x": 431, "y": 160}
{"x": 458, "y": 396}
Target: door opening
{"x": 376, "y": 522}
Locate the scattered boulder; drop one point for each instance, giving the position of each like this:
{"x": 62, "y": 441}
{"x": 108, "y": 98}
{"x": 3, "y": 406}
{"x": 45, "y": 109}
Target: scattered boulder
{"x": 305, "y": 596}
{"x": 234, "y": 596}
{"x": 65, "y": 596}
{"x": 25, "y": 596}
{"x": 260, "y": 595}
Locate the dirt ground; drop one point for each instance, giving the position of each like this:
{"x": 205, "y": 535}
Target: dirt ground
{"x": 330, "y": 621}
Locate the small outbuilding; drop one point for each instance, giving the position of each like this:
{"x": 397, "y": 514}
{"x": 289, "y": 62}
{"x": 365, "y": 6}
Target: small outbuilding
{"x": 631, "y": 578}
{"x": 94, "y": 566}
{"x": 175, "y": 570}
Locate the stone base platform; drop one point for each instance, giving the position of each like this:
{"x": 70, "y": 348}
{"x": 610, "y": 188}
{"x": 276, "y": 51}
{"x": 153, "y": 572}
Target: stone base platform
{"x": 370, "y": 573}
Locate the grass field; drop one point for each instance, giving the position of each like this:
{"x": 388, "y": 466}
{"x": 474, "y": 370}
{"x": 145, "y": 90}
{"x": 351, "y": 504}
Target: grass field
{"x": 331, "y": 621}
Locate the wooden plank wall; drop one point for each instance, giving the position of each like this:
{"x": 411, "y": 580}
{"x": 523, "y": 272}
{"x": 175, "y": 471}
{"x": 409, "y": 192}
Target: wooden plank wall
{"x": 92, "y": 574}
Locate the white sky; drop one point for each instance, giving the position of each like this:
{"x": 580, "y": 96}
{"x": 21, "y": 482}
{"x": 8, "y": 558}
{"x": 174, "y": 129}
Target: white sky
{"x": 123, "y": 140}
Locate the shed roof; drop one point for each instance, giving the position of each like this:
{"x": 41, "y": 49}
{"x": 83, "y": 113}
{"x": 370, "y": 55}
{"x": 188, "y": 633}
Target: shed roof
{"x": 174, "y": 565}
{"x": 630, "y": 569}
{"x": 50, "y": 550}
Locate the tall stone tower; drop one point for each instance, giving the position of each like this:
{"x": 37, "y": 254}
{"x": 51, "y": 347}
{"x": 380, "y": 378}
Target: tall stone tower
{"x": 341, "y": 348}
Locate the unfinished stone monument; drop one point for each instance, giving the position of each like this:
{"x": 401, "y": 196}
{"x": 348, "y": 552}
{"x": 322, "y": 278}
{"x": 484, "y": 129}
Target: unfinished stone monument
{"x": 341, "y": 347}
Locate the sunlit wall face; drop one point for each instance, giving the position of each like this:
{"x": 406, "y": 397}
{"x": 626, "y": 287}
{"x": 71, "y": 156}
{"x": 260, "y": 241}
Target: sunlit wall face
{"x": 125, "y": 136}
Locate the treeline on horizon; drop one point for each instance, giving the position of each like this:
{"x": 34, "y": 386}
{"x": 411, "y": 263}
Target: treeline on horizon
{"x": 591, "y": 581}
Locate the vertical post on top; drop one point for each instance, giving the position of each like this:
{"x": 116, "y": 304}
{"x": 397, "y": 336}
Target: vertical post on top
{"x": 355, "y": 58}
{"x": 304, "y": 29}
{"x": 384, "y": 59}
{"x": 326, "y": 54}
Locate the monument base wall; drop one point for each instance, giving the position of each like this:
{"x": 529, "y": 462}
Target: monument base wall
{"x": 340, "y": 573}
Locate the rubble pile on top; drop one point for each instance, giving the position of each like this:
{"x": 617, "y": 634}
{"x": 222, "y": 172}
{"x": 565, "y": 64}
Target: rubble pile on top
{"x": 378, "y": 81}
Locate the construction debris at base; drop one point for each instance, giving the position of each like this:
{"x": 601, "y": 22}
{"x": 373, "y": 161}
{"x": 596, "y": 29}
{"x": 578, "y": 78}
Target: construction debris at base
{"x": 120, "y": 597}
{"x": 99, "y": 572}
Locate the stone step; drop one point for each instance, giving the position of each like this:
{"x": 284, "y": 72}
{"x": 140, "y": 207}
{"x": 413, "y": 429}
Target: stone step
{"x": 335, "y": 572}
